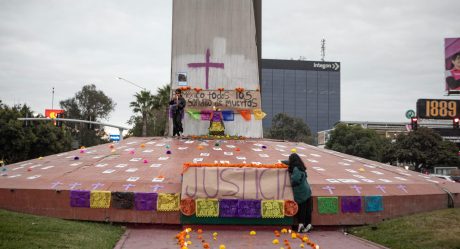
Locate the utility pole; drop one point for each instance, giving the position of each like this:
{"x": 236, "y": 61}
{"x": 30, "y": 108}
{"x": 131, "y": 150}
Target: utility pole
{"x": 323, "y": 49}
{"x": 52, "y": 100}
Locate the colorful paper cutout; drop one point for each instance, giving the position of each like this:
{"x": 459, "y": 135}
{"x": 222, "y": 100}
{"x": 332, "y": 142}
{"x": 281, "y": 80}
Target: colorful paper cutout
{"x": 249, "y": 208}
{"x": 350, "y": 204}
{"x": 145, "y": 201}
{"x": 187, "y": 206}
{"x": 123, "y": 200}
{"x": 168, "y": 202}
{"x": 228, "y": 115}
{"x": 246, "y": 114}
{"x": 373, "y": 203}
{"x": 194, "y": 114}
{"x": 79, "y": 198}
{"x": 272, "y": 209}
{"x": 290, "y": 208}
{"x": 205, "y": 114}
{"x": 100, "y": 199}
{"x": 259, "y": 114}
{"x": 228, "y": 208}
{"x": 328, "y": 205}
{"x": 207, "y": 208}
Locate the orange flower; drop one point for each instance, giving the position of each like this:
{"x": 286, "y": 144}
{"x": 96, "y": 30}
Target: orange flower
{"x": 197, "y": 89}
{"x": 239, "y": 89}
{"x": 220, "y": 89}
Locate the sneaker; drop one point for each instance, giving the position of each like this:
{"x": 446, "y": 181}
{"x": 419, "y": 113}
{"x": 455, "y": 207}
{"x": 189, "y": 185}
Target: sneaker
{"x": 308, "y": 228}
{"x": 300, "y": 228}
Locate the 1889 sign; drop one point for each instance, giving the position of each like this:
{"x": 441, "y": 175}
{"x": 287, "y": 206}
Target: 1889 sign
{"x": 438, "y": 108}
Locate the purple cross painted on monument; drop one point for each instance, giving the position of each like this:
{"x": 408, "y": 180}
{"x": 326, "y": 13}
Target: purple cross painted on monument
{"x": 382, "y": 188}
{"x": 127, "y": 186}
{"x": 207, "y": 65}
{"x": 155, "y": 188}
{"x": 403, "y": 188}
{"x": 74, "y": 185}
{"x": 97, "y": 185}
{"x": 55, "y": 184}
{"x": 329, "y": 188}
{"x": 357, "y": 188}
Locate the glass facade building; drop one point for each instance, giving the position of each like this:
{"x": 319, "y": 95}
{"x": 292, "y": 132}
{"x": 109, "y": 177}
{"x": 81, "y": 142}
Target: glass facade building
{"x": 309, "y": 90}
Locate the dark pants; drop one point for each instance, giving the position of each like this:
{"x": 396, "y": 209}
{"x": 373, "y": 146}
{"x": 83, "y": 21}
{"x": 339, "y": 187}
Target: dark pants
{"x": 304, "y": 213}
{"x": 177, "y": 124}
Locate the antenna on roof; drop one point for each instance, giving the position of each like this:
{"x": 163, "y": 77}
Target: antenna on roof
{"x": 323, "y": 49}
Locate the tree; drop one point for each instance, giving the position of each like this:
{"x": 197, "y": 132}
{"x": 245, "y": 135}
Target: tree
{"x": 357, "y": 141}
{"x": 289, "y": 128}
{"x": 88, "y": 104}
{"x": 143, "y": 105}
{"x": 23, "y": 140}
{"x": 157, "y": 114}
{"x": 424, "y": 149}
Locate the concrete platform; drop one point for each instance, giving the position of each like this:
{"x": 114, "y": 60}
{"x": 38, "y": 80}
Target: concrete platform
{"x": 231, "y": 237}
{"x": 154, "y": 165}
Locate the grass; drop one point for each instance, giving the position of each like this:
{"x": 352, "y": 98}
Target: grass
{"x": 30, "y": 231}
{"x": 433, "y": 230}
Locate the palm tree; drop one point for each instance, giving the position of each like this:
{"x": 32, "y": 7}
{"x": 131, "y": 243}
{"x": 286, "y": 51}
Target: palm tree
{"x": 144, "y": 104}
{"x": 161, "y": 105}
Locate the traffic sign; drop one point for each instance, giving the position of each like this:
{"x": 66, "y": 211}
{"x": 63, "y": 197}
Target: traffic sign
{"x": 410, "y": 114}
{"x": 114, "y": 137}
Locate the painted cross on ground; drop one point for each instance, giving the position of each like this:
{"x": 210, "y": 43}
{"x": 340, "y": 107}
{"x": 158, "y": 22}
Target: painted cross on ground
{"x": 382, "y": 188}
{"x": 97, "y": 185}
{"x": 403, "y": 188}
{"x": 207, "y": 65}
{"x": 329, "y": 188}
{"x": 127, "y": 186}
{"x": 74, "y": 185}
{"x": 156, "y": 187}
{"x": 357, "y": 188}
{"x": 55, "y": 184}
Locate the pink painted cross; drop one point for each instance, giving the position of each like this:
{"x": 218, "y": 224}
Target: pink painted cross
{"x": 206, "y": 65}
{"x": 329, "y": 188}
{"x": 55, "y": 184}
{"x": 155, "y": 188}
{"x": 74, "y": 185}
{"x": 357, "y": 188}
{"x": 97, "y": 185}
{"x": 403, "y": 188}
{"x": 127, "y": 186}
{"x": 382, "y": 188}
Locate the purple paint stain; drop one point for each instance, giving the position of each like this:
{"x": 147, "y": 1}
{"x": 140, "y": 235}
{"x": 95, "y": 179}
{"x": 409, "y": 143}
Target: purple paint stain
{"x": 244, "y": 181}
{"x": 286, "y": 180}
{"x": 237, "y": 187}
{"x": 257, "y": 184}
{"x": 278, "y": 184}
{"x": 260, "y": 180}
{"x": 204, "y": 185}
{"x": 207, "y": 65}
{"x": 196, "y": 186}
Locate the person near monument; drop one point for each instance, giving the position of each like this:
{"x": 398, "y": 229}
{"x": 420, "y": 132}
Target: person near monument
{"x": 453, "y": 75}
{"x": 216, "y": 124}
{"x": 301, "y": 190}
{"x": 177, "y": 105}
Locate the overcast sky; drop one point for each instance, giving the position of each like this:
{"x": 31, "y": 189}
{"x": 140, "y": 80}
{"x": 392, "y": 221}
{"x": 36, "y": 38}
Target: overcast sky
{"x": 391, "y": 52}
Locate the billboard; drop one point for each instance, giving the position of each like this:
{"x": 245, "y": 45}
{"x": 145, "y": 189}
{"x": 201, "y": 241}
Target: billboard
{"x": 52, "y": 113}
{"x": 452, "y": 61}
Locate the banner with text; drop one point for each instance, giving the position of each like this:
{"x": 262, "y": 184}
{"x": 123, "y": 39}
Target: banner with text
{"x": 237, "y": 183}
{"x": 227, "y": 99}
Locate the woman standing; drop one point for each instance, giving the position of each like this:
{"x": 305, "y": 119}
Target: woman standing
{"x": 301, "y": 190}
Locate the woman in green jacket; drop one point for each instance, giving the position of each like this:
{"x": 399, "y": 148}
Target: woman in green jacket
{"x": 301, "y": 190}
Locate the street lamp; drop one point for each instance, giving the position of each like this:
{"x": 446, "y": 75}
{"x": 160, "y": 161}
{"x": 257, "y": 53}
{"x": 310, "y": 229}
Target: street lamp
{"x": 132, "y": 83}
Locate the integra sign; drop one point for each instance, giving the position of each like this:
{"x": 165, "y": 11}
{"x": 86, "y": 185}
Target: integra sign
{"x": 334, "y": 66}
